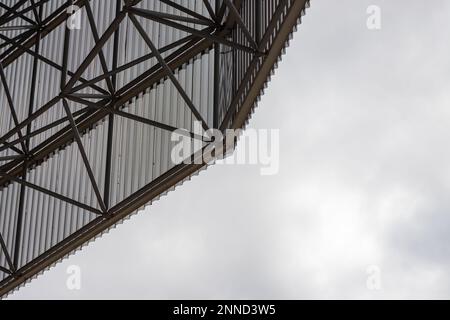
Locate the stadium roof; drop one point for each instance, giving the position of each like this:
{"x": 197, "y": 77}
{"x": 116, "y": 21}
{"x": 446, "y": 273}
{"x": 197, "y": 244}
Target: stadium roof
{"x": 90, "y": 93}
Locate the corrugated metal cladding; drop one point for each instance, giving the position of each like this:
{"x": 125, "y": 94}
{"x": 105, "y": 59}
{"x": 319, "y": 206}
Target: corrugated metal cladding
{"x": 140, "y": 152}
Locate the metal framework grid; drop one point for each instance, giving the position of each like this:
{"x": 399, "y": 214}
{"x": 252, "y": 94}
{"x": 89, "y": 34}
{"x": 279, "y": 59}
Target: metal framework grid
{"x": 243, "y": 38}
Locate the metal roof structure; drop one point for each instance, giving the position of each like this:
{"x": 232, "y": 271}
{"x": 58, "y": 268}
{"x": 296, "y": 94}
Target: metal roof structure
{"x": 91, "y": 91}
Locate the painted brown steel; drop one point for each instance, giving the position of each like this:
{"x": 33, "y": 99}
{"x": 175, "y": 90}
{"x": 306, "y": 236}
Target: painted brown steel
{"x": 284, "y": 21}
{"x": 45, "y": 108}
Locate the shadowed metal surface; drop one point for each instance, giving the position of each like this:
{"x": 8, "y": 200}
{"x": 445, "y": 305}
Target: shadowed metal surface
{"x": 87, "y": 114}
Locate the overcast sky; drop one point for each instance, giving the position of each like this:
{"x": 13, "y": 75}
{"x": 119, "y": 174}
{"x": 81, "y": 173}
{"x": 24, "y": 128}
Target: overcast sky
{"x": 364, "y": 180}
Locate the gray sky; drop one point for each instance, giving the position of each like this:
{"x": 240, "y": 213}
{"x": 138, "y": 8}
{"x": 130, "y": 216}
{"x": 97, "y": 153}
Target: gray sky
{"x": 364, "y": 180}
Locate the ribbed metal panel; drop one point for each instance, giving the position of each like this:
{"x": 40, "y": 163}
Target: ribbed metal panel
{"x": 140, "y": 153}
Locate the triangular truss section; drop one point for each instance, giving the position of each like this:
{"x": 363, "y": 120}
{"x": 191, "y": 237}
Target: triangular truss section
{"x": 95, "y": 103}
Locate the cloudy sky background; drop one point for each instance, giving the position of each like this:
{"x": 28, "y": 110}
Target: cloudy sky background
{"x": 364, "y": 119}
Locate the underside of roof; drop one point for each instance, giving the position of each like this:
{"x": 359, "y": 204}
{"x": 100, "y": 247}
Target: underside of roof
{"x": 90, "y": 94}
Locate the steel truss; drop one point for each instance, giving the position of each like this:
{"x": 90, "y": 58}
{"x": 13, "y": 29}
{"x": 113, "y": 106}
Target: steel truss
{"x": 216, "y": 29}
